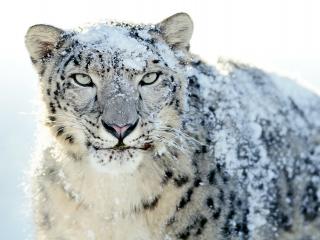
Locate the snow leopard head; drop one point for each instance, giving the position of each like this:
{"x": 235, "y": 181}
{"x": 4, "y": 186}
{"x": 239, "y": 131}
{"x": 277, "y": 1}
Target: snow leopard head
{"x": 113, "y": 91}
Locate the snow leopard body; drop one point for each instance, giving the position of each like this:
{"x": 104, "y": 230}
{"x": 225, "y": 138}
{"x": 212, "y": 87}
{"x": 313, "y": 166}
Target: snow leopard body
{"x": 217, "y": 152}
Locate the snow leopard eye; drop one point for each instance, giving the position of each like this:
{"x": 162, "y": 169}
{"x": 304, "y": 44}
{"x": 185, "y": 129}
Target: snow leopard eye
{"x": 82, "y": 79}
{"x": 150, "y": 78}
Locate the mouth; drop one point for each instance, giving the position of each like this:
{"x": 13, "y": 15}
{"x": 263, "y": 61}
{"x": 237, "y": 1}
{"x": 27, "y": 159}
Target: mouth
{"x": 120, "y": 146}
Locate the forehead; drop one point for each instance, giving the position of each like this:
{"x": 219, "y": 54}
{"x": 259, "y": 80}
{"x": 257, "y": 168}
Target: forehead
{"x": 131, "y": 45}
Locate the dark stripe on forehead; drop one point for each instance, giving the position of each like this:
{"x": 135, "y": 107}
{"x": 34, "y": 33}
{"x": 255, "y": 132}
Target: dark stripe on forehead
{"x": 89, "y": 58}
{"x": 134, "y": 33}
{"x": 76, "y": 61}
{"x": 102, "y": 63}
{"x": 115, "y": 60}
{"x": 156, "y": 51}
{"x": 79, "y": 56}
{"x": 68, "y": 61}
{"x": 65, "y": 64}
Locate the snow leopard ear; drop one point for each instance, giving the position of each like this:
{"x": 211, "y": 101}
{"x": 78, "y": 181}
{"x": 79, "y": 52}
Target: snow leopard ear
{"x": 41, "y": 40}
{"x": 177, "y": 30}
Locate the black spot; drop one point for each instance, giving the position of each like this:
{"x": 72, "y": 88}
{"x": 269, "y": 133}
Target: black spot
{"x": 204, "y": 149}
{"x": 221, "y": 195}
{"x": 185, "y": 199}
{"x": 174, "y": 89}
{"x": 70, "y": 139}
{"x": 212, "y": 177}
{"x": 195, "y": 228}
{"x": 210, "y": 203}
{"x": 177, "y": 103}
{"x": 58, "y": 103}
{"x": 202, "y": 222}
{"x": 151, "y": 205}
{"x": 184, "y": 235}
{"x": 225, "y": 177}
{"x": 219, "y": 167}
{"x": 226, "y": 230}
{"x": 195, "y": 96}
{"x": 197, "y": 182}
{"x": 196, "y": 63}
{"x": 79, "y": 56}
{"x": 156, "y": 61}
{"x": 171, "y": 102}
{"x": 52, "y": 118}
{"x": 168, "y": 174}
{"x": 311, "y": 204}
{"x": 181, "y": 180}
{"x": 241, "y": 227}
{"x": 48, "y": 92}
{"x": 42, "y": 71}
{"x": 88, "y": 61}
{"x": 211, "y": 109}
{"x": 60, "y": 131}
{"x": 193, "y": 82}
{"x": 52, "y": 108}
{"x": 216, "y": 214}
{"x": 88, "y": 144}
{"x": 76, "y": 62}
{"x": 284, "y": 222}
{"x": 232, "y": 196}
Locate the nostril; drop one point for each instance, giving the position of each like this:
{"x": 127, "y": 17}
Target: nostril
{"x": 119, "y": 132}
{"x": 110, "y": 129}
{"x": 130, "y": 128}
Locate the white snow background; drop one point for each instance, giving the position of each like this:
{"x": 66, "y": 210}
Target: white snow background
{"x": 277, "y": 35}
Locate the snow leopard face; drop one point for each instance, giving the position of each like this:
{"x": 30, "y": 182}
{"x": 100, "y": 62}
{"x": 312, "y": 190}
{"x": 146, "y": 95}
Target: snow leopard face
{"x": 113, "y": 92}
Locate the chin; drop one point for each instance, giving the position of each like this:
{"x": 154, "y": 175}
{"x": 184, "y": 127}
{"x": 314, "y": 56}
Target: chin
{"x": 120, "y": 159}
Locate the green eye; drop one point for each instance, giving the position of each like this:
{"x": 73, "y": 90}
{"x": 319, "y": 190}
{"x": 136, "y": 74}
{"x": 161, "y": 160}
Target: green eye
{"x": 82, "y": 79}
{"x": 150, "y": 78}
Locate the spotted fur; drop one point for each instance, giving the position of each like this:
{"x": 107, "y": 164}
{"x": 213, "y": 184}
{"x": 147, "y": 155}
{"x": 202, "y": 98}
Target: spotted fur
{"x": 222, "y": 152}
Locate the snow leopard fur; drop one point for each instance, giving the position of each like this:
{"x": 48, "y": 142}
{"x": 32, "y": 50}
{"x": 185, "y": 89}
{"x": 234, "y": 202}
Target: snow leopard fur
{"x": 147, "y": 141}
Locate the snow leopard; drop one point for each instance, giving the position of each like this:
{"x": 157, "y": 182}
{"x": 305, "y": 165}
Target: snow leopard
{"x": 143, "y": 140}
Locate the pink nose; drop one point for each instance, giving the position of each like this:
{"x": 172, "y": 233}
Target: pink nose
{"x": 119, "y": 132}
